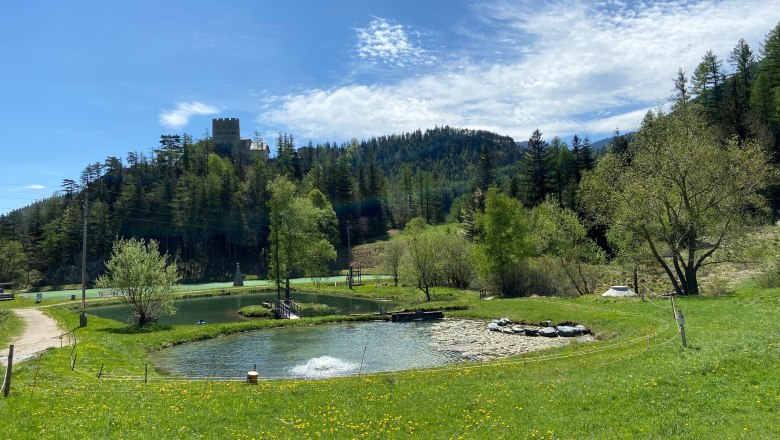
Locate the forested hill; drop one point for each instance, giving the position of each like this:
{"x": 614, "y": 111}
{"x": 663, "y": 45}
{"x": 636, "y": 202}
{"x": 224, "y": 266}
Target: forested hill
{"x": 452, "y": 152}
{"x": 210, "y": 210}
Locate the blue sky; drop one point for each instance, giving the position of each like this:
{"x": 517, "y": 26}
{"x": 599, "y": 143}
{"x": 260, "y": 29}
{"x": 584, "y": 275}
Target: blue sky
{"x": 83, "y": 80}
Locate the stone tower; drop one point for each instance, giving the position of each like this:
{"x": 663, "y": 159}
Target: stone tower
{"x": 226, "y": 134}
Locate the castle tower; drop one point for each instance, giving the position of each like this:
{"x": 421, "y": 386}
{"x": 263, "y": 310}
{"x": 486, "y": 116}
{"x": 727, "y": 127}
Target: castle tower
{"x": 226, "y": 132}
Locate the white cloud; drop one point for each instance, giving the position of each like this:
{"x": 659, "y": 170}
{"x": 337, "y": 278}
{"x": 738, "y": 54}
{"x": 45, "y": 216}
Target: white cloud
{"x": 184, "y": 110}
{"x": 386, "y": 41}
{"x": 35, "y": 186}
{"x": 575, "y": 67}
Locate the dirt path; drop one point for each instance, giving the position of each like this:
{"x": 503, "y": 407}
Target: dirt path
{"x": 40, "y": 332}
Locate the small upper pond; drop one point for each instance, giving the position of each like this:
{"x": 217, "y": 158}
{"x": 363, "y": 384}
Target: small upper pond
{"x": 216, "y": 309}
{"x": 309, "y": 352}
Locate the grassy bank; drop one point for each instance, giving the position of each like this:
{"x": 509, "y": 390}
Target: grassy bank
{"x": 636, "y": 381}
{"x": 10, "y": 324}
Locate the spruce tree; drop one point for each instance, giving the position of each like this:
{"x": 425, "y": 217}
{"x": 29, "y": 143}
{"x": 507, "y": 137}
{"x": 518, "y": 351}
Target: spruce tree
{"x": 537, "y": 166}
{"x": 576, "y": 151}
{"x": 485, "y": 169}
{"x": 737, "y": 103}
{"x": 586, "y": 155}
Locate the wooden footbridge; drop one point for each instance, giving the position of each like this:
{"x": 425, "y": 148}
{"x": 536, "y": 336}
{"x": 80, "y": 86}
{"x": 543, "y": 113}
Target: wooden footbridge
{"x": 286, "y": 309}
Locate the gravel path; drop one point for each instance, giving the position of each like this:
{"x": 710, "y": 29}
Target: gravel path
{"x": 472, "y": 339}
{"x": 40, "y": 332}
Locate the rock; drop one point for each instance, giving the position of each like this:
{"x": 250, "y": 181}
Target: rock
{"x": 504, "y": 321}
{"x": 532, "y": 332}
{"x": 548, "y": 332}
{"x": 493, "y": 327}
{"x": 507, "y": 330}
{"x": 518, "y": 329}
{"x": 567, "y": 331}
{"x": 582, "y": 329}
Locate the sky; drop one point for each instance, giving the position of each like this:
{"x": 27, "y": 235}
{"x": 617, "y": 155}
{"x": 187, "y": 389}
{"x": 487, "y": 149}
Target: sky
{"x": 84, "y": 80}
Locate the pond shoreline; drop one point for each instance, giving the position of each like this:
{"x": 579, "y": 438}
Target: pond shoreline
{"x": 472, "y": 340}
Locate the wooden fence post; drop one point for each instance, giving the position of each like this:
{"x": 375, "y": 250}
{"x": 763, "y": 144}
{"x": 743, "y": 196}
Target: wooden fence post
{"x": 8, "y": 368}
{"x": 681, "y": 325}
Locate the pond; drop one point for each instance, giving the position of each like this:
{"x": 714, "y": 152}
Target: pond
{"x": 309, "y": 352}
{"x": 217, "y": 309}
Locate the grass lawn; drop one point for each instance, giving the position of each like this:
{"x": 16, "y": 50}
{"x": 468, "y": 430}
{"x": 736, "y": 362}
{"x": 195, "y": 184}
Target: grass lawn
{"x": 10, "y": 325}
{"x": 635, "y": 382}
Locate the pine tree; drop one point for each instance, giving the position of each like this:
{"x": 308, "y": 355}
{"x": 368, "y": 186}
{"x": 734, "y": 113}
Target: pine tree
{"x": 586, "y": 156}
{"x": 537, "y": 166}
{"x": 707, "y": 79}
{"x": 576, "y": 151}
{"x": 766, "y": 88}
{"x": 682, "y": 94}
{"x": 619, "y": 143}
{"x": 485, "y": 169}
{"x": 737, "y": 104}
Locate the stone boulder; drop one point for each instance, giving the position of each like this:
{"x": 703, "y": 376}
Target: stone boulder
{"x": 504, "y": 322}
{"x": 548, "y": 332}
{"x": 582, "y": 329}
{"x": 518, "y": 329}
{"x": 567, "y": 331}
{"x": 493, "y": 327}
{"x": 532, "y": 332}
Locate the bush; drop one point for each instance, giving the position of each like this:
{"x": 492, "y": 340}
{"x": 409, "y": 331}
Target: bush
{"x": 535, "y": 276}
{"x": 256, "y": 312}
{"x": 307, "y": 310}
{"x": 771, "y": 277}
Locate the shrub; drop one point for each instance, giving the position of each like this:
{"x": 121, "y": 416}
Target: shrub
{"x": 307, "y": 310}
{"x": 256, "y": 311}
{"x": 771, "y": 277}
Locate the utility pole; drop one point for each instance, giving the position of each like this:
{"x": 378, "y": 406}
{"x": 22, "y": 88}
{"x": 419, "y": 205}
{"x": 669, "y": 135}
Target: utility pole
{"x": 276, "y": 249}
{"x": 83, "y": 315}
{"x": 349, "y": 258}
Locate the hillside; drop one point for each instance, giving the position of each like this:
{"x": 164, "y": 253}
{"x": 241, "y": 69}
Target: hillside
{"x": 209, "y": 209}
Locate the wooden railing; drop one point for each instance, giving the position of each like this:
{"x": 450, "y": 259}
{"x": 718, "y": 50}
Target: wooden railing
{"x": 284, "y": 308}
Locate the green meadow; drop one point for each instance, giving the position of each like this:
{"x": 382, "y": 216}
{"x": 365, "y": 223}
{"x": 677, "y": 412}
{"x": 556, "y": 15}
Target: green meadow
{"x": 634, "y": 381}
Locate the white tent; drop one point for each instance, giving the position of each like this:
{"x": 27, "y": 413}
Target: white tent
{"x": 621, "y": 291}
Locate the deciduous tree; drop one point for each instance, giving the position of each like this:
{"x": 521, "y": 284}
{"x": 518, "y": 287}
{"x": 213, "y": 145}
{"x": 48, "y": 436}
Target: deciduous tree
{"x": 557, "y": 232}
{"x": 299, "y": 225}
{"x": 504, "y": 242}
{"x": 143, "y": 277}
{"x": 684, "y": 194}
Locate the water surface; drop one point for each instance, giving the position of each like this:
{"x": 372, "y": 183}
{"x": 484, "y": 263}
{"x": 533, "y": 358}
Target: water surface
{"x": 217, "y": 309}
{"x": 309, "y": 352}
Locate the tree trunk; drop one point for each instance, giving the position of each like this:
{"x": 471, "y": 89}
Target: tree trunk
{"x": 691, "y": 282}
{"x": 424, "y": 288}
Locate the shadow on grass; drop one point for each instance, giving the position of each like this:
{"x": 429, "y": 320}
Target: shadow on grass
{"x": 136, "y": 330}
